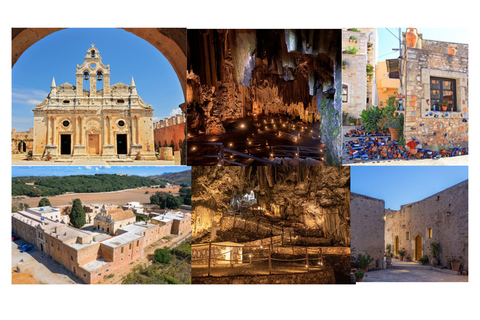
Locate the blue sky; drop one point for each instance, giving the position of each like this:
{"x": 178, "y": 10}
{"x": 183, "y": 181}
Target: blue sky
{"x": 400, "y": 185}
{"x": 58, "y": 54}
{"x": 22, "y": 171}
{"x": 387, "y": 39}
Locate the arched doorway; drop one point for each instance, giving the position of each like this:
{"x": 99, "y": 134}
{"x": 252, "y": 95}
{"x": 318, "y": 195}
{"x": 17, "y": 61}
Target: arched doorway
{"x": 418, "y": 247}
{"x": 22, "y": 146}
{"x": 396, "y": 245}
{"x": 171, "y": 42}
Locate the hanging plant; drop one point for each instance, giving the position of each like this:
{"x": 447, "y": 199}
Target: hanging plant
{"x": 351, "y": 50}
{"x": 352, "y": 39}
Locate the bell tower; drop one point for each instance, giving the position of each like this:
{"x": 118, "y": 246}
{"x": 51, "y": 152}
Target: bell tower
{"x": 93, "y": 70}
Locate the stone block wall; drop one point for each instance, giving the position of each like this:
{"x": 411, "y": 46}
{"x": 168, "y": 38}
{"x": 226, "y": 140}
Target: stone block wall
{"x": 436, "y": 130}
{"x": 446, "y": 213}
{"x": 367, "y": 227}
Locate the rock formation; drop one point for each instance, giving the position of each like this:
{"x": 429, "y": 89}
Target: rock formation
{"x": 316, "y": 197}
{"x": 236, "y": 73}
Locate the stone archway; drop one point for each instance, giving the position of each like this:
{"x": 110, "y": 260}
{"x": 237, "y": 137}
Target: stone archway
{"x": 171, "y": 42}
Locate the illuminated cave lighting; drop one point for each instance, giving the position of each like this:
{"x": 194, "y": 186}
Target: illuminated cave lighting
{"x": 194, "y": 148}
{"x": 242, "y": 126}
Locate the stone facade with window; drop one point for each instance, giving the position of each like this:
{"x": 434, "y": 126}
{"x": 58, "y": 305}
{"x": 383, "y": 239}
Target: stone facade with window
{"x": 22, "y": 142}
{"x": 441, "y": 218}
{"x": 357, "y": 85}
{"x": 83, "y": 121}
{"x": 436, "y": 82}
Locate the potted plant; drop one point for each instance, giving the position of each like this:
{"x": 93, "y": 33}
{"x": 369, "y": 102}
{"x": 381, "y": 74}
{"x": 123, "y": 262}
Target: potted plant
{"x": 389, "y": 250}
{"x": 48, "y": 156}
{"x": 444, "y": 105}
{"x": 456, "y": 264}
{"x": 370, "y": 118}
{"x": 392, "y": 121}
{"x": 364, "y": 261}
{"x": 402, "y": 254}
{"x": 424, "y": 260}
{"x": 138, "y": 156}
{"x": 351, "y": 50}
{"x": 369, "y": 46}
{"x": 351, "y": 121}
{"x": 29, "y": 155}
{"x": 344, "y": 65}
{"x": 435, "y": 246}
{"x": 359, "y": 275}
{"x": 352, "y": 39}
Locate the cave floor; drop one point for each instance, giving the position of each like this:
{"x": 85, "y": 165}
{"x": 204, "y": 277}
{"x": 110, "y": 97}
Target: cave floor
{"x": 258, "y": 136}
{"x": 255, "y": 268}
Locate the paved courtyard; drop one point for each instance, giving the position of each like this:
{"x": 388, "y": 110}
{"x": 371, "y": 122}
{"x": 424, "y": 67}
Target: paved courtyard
{"x": 413, "y": 272}
{"x": 35, "y": 268}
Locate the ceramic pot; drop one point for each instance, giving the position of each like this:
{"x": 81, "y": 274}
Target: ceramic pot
{"x": 358, "y": 122}
{"x": 411, "y": 37}
{"x": 452, "y": 50}
{"x": 394, "y": 134}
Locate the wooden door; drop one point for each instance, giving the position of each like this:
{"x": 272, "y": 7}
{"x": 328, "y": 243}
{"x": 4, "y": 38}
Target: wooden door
{"x": 395, "y": 249}
{"x": 93, "y": 144}
{"x": 418, "y": 247}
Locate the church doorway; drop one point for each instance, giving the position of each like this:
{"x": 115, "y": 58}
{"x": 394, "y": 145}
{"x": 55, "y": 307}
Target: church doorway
{"x": 121, "y": 144}
{"x": 93, "y": 144}
{"x": 65, "y": 144}
{"x": 418, "y": 247}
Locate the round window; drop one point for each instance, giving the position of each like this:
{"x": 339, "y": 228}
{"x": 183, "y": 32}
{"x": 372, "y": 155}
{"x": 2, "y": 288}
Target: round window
{"x": 93, "y": 65}
{"x": 121, "y": 123}
{"x": 66, "y": 123}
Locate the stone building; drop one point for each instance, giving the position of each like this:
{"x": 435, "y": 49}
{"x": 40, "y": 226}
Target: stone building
{"x": 436, "y": 72}
{"x": 440, "y": 218}
{"x": 110, "y": 220}
{"x": 88, "y": 255}
{"x": 358, "y": 85}
{"x": 367, "y": 231}
{"x": 22, "y": 142}
{"x": 93, "y": 119}
{"x": 386, "y": 86}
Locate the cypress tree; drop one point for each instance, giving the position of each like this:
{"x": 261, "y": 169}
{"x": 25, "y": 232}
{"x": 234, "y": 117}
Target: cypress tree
{"x": 77, "y": 215}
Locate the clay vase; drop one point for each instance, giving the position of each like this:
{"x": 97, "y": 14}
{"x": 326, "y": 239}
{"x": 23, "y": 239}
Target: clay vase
{"x": 451, "y": 50}
{"x": 394, "y": 134}
{"x": 411, "y": 37}
{"x": 358, "y": 122}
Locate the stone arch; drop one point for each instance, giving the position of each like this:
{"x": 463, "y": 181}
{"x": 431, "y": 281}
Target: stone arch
{"x": 171, "y": 42}
{"x": 22, "y": 146}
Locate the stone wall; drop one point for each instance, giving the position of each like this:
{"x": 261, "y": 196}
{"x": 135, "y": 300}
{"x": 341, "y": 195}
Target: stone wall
{"x": 446, "y": 213}
{"x": 435, "y": 130}
{"x": 354, "y": 75}
{"x": 22, "y": 142}
{"x": 368, "y": 227}
{"x": 167, "y": 130}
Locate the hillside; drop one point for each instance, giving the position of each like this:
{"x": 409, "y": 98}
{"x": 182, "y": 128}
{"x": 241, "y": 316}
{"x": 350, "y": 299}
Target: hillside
{"x": 183, "y": 177}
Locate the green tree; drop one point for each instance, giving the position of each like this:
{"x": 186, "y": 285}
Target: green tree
{"x": 162, "y": 256}
{"x": 44, "y": 202}
{"x": 165, "y": 144}
{"x": 77, "y": 215}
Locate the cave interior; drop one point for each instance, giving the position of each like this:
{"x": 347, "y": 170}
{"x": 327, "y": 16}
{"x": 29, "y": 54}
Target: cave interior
{"x": 262, "y": 97}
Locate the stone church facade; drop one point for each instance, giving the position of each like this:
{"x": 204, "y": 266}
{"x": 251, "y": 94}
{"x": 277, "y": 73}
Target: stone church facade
{"x": 79, "y": 121}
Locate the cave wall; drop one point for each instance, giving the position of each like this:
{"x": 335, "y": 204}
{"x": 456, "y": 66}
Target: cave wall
{"x": 235, "y": 72}
{"x": 318, "y": 197}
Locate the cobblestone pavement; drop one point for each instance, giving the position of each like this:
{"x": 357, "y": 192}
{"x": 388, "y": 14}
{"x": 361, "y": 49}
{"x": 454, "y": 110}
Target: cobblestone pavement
{"x": 413, "y": 272}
